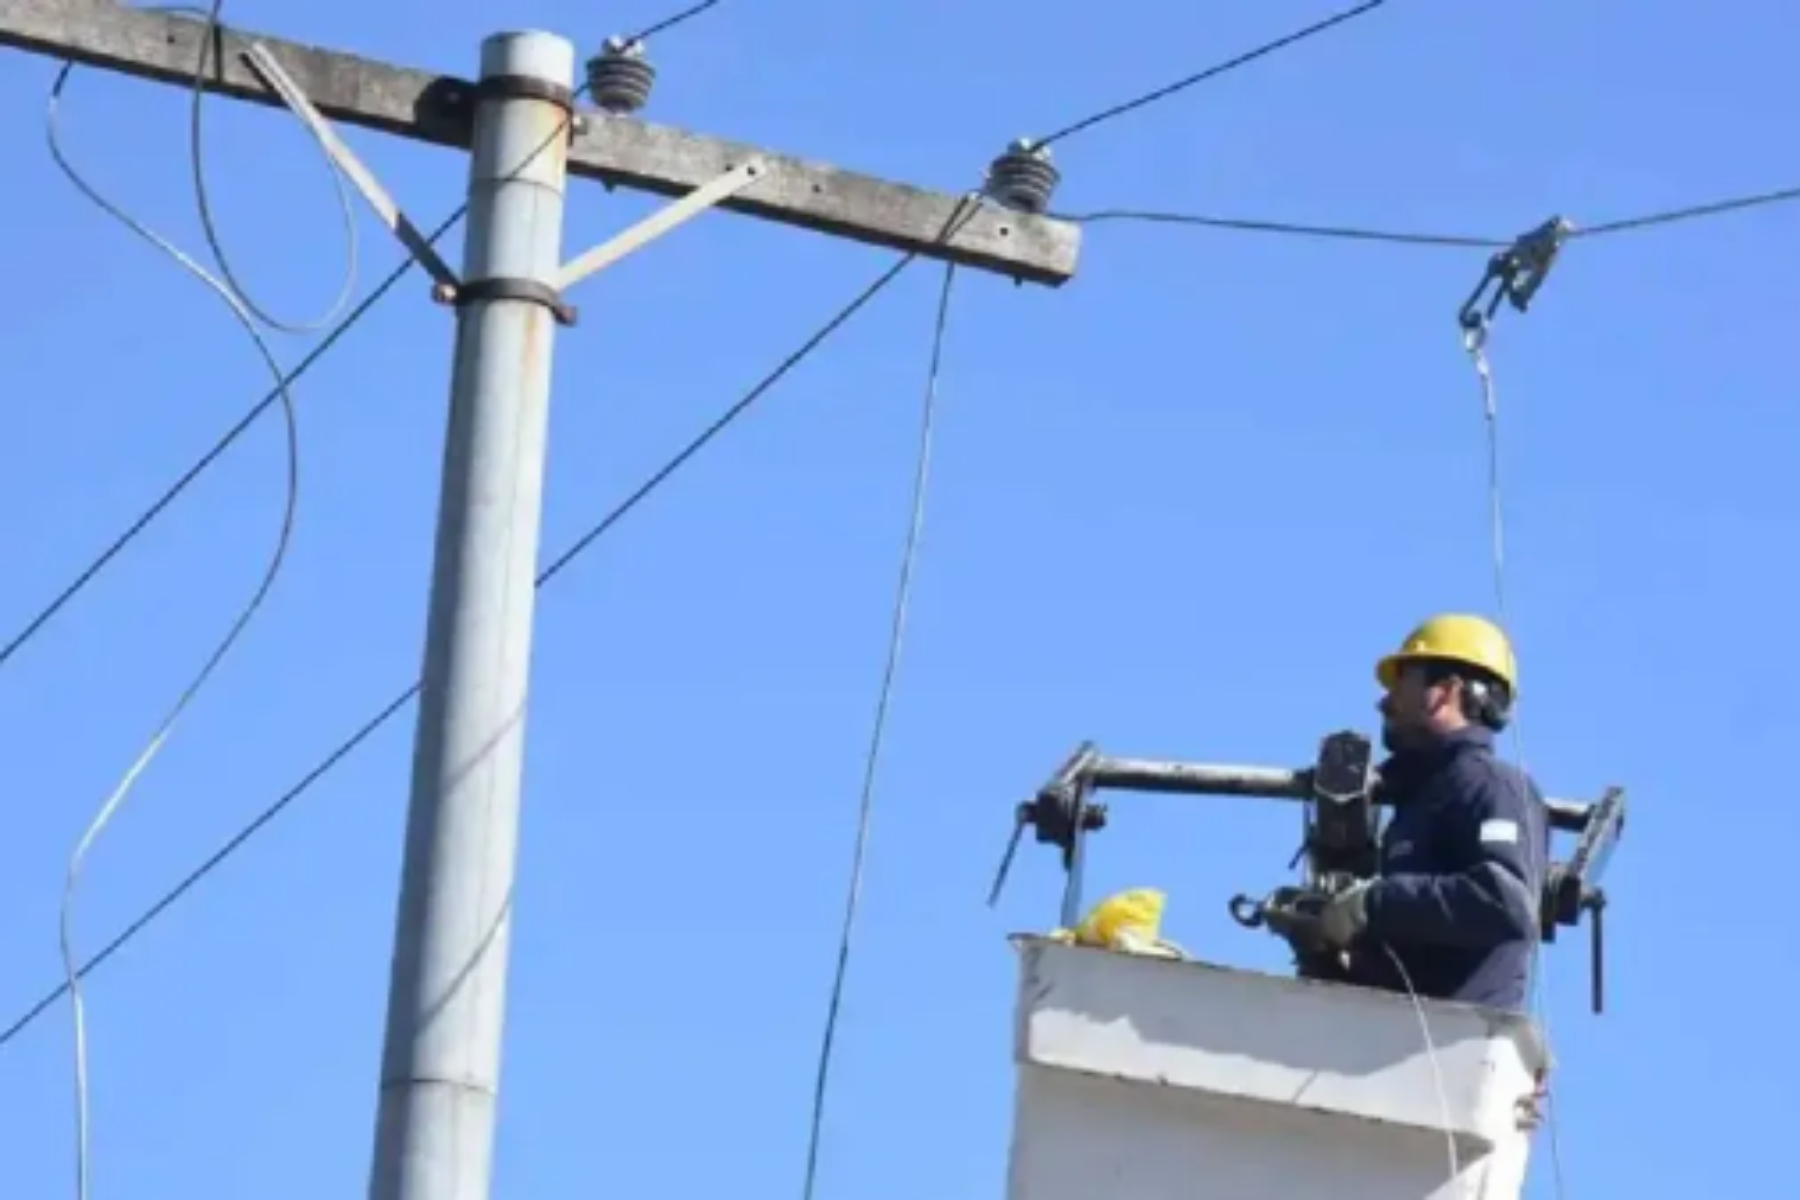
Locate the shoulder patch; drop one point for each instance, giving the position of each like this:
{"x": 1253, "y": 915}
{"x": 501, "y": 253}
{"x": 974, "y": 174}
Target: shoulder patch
{"x": 1499, "y": 832}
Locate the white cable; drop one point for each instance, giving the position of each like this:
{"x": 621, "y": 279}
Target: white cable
{"x": 1475, "y": 342}
{"x": 1437, "y": 1068}
{"x": 1537, "y": 1007}
{"x": 203, "y": 204}
{"x": 247, "y": 316}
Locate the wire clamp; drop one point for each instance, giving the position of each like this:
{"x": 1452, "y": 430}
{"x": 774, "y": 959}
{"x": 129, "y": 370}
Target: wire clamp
{"x": 1515, "y": 274}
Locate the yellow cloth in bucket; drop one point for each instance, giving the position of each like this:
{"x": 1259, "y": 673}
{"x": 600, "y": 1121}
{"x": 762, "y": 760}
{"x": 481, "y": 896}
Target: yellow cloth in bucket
{"x": 1129, "y": 922}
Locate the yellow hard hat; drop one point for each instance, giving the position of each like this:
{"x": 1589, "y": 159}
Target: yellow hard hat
{"x": 1458, "y": 638}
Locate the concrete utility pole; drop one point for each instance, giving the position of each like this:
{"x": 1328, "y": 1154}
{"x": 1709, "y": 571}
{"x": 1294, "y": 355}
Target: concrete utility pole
{"x": 446, "y": 999}
{"x": 441, "y": 1060}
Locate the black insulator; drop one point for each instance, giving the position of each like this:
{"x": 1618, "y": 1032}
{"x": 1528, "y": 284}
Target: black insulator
{"x": 1023, "y": 178}
{"x": 620, "y": 77}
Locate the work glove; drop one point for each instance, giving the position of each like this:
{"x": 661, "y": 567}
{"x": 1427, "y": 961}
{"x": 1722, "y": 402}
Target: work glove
{"x": 1344, "y": 916}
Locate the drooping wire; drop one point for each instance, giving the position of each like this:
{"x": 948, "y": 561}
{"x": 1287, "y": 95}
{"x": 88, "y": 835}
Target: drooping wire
{"x": 872, "y": 761}
{"x": 280, "y": 393}
{"x": 202, "y": 464}
{"x": 246, "y": 317}
{"x": 212, "y": 40}
{"x": 1437, "y": 1066}
{"x": 1212, "y": 72}
{"x": 1244, "y": 225}
{"x": 368, "y": 729}
{"x": 227, "y": 439}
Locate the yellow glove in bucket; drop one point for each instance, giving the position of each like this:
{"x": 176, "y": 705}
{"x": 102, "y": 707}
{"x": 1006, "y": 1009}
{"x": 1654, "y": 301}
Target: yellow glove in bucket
{"x": 1129, "y": 922}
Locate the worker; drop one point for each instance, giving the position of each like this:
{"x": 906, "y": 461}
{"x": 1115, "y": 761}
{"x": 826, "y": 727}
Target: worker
{"x": 1453, "y": 911}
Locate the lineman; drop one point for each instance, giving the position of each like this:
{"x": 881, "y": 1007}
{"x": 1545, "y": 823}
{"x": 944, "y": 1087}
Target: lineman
{"x": 1454, "y": 912}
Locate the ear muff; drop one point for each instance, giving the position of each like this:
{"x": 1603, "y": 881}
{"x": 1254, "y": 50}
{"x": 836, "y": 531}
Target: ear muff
{"x": 1487, "y": 702}
{"x": 1481, "y": 698}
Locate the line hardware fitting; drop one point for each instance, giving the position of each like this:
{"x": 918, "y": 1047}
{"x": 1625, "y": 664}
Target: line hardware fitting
{"x": 1514, "y": 275}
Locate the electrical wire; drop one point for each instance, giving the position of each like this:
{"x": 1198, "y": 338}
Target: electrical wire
{"x": 280, "y": 393}
{"x": 1437, "y": 1068}
{"x": 871, "y": 763}
{"x": 243, "y": 306}
{"x": 1691, "y": 212}
{"x": 1212, "y": 72}
{"x": 1243, "y": 225}
{"x": 345, "y": 748}
{"x": 210, "y": 41}
{"x": 154, "y": 510}
{"x": 200, "y": 465}
{"x": 724, "y": 420}
{"x": 247, "y": 317}
{"x": 1475, "y": 343}
{"x": 226, "y": 440}
{"x": 672, "y": 20}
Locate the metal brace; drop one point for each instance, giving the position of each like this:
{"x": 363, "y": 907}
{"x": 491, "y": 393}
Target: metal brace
{"x": 678, "y": 212}
{"x": 290, "y": 94}
{"x": 447, "y": 288}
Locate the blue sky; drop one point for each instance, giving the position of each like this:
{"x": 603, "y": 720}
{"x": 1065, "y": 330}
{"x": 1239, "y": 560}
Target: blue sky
{"x": 1281, "y": 435}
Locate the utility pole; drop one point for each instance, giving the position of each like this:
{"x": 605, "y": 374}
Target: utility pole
{"x": 441, "y": 1057}
{"x": 446, "y": 997}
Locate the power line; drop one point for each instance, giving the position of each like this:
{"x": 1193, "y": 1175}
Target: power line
{"x": 672, "y": 20}
{"x": 1212, "y": 72}
{"x": 884, "y": 695}
{"x": 1244, "y": 225}
{"x": 213, "y": 861}
{"x": 369, "y": 727}
{"x": 1691, "y": 212}
{"x": 144, "y": 519}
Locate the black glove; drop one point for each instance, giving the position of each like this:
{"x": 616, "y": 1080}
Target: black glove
{"x": 1344, "y": 916}
{"x": 1294, "y": 914}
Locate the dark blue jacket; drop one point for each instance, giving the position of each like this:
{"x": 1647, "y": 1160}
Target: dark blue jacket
{"x": 1462, "y": 874}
